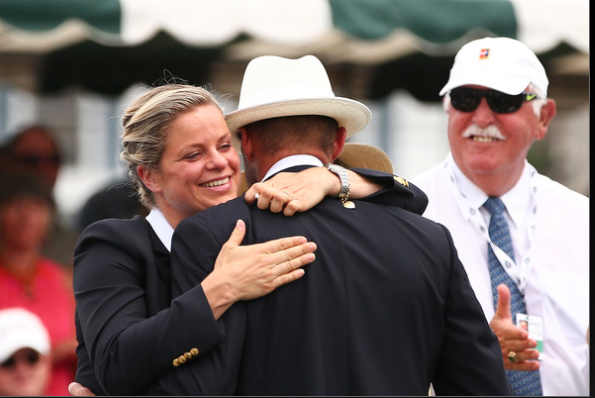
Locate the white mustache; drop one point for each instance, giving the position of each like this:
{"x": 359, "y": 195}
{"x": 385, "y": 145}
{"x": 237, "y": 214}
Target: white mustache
{"x": 490, "y": 131}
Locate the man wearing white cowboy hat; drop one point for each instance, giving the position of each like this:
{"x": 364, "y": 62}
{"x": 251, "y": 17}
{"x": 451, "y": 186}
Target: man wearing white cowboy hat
{"x": 386, "y": 310}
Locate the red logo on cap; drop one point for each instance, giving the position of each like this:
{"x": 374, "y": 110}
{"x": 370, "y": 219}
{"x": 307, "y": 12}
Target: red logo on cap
{"x": 484, "y": 53}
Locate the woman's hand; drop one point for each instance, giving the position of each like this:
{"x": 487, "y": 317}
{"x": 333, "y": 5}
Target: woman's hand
{"x": 78, "y": 390}
{"x": 298, "y": 192}
{"x": 251, "y": 271}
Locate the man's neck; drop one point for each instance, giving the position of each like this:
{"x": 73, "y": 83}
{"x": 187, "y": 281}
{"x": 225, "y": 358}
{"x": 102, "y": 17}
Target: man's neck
{"x": 290, "y": 161}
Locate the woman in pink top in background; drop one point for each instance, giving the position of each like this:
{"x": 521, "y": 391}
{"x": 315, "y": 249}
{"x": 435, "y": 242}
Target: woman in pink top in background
{"x": 31, "y": 281}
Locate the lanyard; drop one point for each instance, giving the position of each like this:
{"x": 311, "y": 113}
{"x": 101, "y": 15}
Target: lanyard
{"x": 518, "y": 271}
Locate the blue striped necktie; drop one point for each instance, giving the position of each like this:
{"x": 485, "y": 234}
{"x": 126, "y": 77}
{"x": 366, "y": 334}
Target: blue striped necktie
{"x": 523, "y": 383}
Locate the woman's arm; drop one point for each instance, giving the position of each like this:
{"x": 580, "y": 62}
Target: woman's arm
{"x": 299, "y": 192}
{"x": 131, "y": 332}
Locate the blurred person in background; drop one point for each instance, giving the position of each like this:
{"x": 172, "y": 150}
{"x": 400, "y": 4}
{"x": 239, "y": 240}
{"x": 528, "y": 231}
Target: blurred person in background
{"x": 25, "y": 365}
{"x": 34, "y": 149}
{"x": 117, "y": 199}
{"x": 497, "y": 106}
{"x": 30, "y": 280}
{"x": 3, "y": 158}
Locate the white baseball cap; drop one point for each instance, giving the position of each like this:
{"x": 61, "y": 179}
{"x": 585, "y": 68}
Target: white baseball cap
{"x": 20, "y": 328}
{"x": 275, "y": 86}
{"x": 500, "y": 63}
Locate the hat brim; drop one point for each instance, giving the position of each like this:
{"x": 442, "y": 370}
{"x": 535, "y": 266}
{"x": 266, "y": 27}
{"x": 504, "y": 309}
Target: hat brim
{"x": 352, "y": 115}
{"x": 364, "y": 156}
{"x": 503, "y": 82}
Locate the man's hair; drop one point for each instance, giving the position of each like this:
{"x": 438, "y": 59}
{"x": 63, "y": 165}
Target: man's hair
{"x": 294, "y": 132}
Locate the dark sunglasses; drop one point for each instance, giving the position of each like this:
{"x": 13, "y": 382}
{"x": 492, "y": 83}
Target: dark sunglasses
{"x": 31, "y": 357}
{"x": 468, "y": 99}
{"x": 34, "y": 160}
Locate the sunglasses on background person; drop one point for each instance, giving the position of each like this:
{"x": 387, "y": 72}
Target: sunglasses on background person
{"x": 35, "y": 160}
{"x": 468, "y": 99}
{"x": 31, "y": 357}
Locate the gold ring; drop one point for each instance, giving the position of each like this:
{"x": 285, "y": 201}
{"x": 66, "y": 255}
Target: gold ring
{"x": 512, "y": 357}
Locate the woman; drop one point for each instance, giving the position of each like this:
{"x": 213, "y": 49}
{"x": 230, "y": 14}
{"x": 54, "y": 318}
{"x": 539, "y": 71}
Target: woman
{"x": 30, "y": 280}
{"x": 180, "y": 157}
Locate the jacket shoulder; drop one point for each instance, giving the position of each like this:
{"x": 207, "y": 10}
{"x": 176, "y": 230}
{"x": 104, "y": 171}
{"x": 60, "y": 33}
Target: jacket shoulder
{"x": 118, "y": 231}
{"x": 397, "y": 191}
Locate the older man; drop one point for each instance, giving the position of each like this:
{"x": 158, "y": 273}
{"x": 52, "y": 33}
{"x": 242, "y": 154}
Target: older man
{"x": 523, "y": 238}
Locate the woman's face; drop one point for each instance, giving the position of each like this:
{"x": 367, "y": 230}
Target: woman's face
{"x": 199, "y": 167}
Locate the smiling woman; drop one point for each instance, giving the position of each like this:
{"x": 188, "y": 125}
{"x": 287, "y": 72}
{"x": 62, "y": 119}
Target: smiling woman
{"x": 176, "y": 144}
{"x": 176, "y": 174}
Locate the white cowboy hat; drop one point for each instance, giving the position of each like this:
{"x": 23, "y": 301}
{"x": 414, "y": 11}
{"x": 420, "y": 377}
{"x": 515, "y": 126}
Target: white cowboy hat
{"x": 275, "y": 87}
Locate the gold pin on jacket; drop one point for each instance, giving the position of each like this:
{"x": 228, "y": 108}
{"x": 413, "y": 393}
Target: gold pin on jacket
{"x": 402, "y": 181}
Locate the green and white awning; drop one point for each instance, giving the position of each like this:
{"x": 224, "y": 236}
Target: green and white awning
{"x": 358, "y": 32}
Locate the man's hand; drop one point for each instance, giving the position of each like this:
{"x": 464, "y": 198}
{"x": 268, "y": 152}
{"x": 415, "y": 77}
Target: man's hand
{"x": 513, "y": 338}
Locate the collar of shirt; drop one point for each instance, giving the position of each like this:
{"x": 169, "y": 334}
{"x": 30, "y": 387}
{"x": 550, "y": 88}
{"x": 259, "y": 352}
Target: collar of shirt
{"x": 161, "y": 227}
{"x": 516, "y": 200}
{"x": 470, "y": 194}
{"x": 290, "y": 161}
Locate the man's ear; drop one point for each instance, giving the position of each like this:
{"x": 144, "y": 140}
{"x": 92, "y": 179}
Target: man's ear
{"x": 340, "y": 137}
{"x": 547, "y": 113}
{"x": 148, "y": 178}
{"x": 247, "y": 144}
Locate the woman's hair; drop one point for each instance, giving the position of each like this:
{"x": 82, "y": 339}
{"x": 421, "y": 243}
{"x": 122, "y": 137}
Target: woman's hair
{"x": 145, "y": 123}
